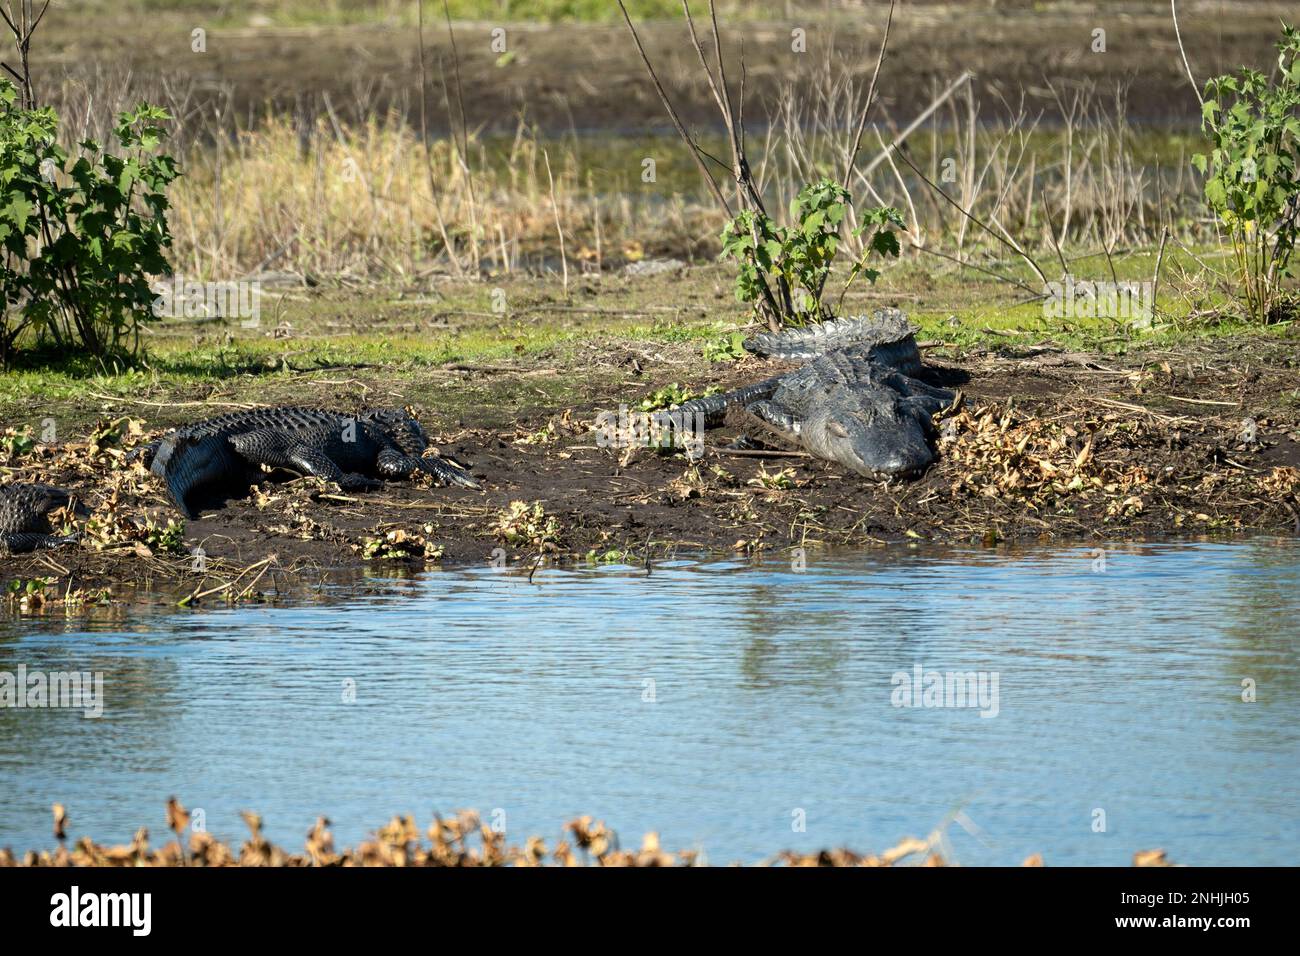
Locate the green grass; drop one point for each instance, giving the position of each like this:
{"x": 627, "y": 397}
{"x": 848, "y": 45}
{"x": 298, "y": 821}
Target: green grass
{"x": 255, "y": 367}
{"x": 349, "y": 346}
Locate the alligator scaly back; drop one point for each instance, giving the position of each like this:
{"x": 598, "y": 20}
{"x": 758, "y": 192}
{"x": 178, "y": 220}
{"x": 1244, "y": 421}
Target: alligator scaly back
{"x": 854, "y": 400}
{"x": 885, "y": 335}
{"x": 207, "y": 462}
{"x": 887, "y": 331}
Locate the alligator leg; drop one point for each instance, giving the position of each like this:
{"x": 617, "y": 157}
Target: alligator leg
{"x": 924, "y": 393}
{"x": 775, "y": 416}
{"x": 275, "y": 450}
{"x": 763, "y": 425}
{"x": 20, "y": 542}
{"x": 309, "y": 461}
{"x": 396, "y": 464}
{"x": 758, "y": 434}
{"x": 925, "y": 407}
{"x": 145, "y": 453}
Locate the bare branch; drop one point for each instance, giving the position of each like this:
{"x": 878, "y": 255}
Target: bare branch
{"x": 965, "y": 263}
{"x": 555, "y": 208}
{"x": 921, "y": 118}
{"x": 747, "y": 195}
{"x": 866, "y": 109}
{"x": 463, "y": 148}
{"x": 424, "y": 141}
{"x": 704, "y": 64}
{"x": 1173, "y": 9}
{"x": 676, "y": 120}
{"x": 1051, "y": 234}
{"x": 39, "y": 17}
{"x": 1005, "y": 240}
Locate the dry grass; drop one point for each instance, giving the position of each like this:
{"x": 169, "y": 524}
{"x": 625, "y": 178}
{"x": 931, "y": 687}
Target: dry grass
{"x": 1069, "y": 177}
{"x": 462, "y": 840}
{"x": 350, "y": 191}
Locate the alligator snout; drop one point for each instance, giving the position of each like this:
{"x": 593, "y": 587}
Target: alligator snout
{"x": 899, "y": 466}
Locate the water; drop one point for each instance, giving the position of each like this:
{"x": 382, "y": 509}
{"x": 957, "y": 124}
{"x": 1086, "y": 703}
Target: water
{"x": 1119, "y": 693}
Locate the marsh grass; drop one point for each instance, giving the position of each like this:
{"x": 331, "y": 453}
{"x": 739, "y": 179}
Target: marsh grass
{"x": 1072, "y": 177}
{"x": 346, "y": 195}
{"x": 355, "y": 201}
{"x": 348, "y": 192}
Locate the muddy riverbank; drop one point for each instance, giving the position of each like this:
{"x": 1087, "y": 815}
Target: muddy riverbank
{"x": 1051, "y": 445}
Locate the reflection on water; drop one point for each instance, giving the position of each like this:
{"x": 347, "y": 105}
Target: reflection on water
{"x": 710, "y": 701}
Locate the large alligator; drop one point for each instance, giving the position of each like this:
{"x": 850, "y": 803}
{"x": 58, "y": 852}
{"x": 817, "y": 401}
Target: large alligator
{"x": 856, "y": 401}
{"x": 25, "y": 510}
{"x": 210, "y": 461}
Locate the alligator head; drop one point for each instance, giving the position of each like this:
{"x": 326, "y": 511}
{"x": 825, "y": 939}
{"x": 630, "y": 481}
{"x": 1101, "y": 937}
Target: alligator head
{"x": 876, "y": 432}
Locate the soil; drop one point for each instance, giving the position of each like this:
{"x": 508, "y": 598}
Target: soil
{"x": 589, "y": 77}
{"x": 1051, "y": 445}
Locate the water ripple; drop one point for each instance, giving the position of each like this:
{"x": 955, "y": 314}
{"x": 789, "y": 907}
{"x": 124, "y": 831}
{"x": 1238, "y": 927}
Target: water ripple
{"x": 710, "y": 700}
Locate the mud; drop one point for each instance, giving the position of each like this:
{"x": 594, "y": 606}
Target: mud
{"x": 588, "y": 76}
{"x": 1050, "y": 446}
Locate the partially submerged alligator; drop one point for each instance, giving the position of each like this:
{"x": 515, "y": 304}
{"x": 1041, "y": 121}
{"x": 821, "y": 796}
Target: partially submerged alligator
{"x": 25, "y": 510}
{"x": 210, "y": 461}
{"x": 856, "y": 402}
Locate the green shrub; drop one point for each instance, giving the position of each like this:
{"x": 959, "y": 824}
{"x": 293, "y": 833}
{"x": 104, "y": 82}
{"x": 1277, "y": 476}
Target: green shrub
{"x": 80, "y": 234}
{"x": 1253, "y": 172}
{"x": 797, "y": 259}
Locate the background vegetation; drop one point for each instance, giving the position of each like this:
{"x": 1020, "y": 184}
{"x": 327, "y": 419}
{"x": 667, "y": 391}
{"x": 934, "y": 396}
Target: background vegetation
{"x": 334, "y": 196}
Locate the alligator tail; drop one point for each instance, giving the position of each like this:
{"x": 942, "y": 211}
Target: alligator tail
{"x": 713, "y": 408}
{"x": 23, "y": 542}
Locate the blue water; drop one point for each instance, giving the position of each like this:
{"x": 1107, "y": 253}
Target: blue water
{"x": 718, "y": 703}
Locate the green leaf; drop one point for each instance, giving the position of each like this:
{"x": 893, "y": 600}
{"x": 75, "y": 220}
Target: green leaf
{"x": 885, "y": 243}
{"x": 18, "y": 211}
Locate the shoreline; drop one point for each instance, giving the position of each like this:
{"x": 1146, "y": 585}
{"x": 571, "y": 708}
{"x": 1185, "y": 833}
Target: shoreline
{"x": 1053, "y": 445}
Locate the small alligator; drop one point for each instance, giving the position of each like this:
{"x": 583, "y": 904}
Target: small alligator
{"x": 25, "y": 516}
{"x": 210, "y": 461}
{"x": 856, "y": 401}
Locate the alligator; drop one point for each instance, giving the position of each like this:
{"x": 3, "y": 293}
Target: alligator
{"x": 856, "y": 400}
{"x": 208, "y": 462}
{"x": 25, "y": 510}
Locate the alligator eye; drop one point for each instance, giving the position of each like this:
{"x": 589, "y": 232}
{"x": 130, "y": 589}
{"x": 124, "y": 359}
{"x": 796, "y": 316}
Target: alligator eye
{"x": 838, "y": 430}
